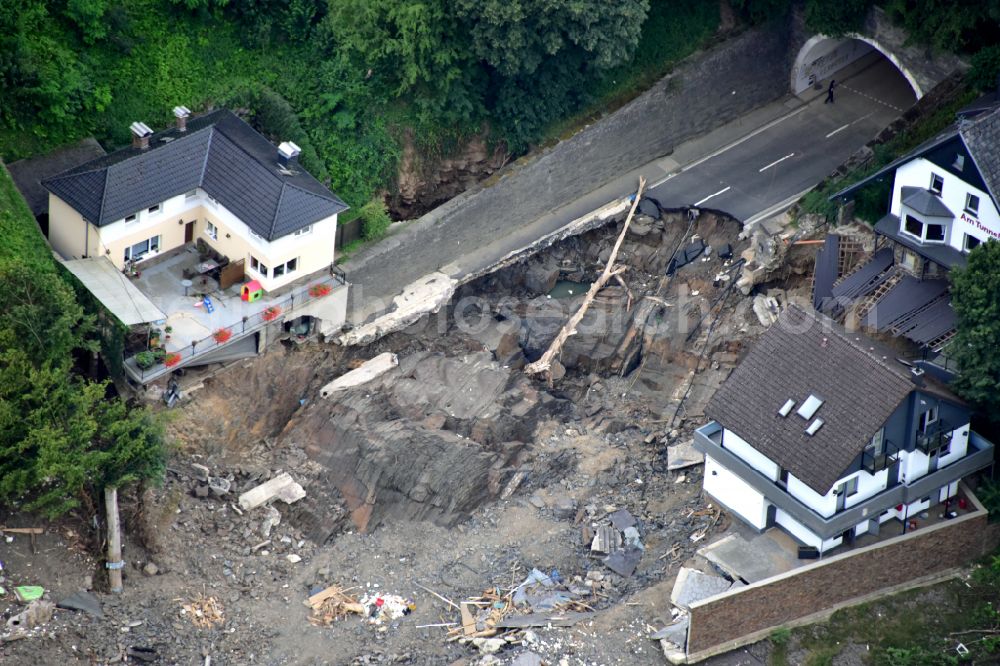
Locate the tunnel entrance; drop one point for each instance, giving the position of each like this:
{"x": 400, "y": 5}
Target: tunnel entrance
{"x": 822, "y": 58}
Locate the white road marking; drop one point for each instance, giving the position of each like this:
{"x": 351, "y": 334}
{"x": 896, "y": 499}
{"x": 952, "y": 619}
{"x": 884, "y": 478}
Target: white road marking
{"x": 858, "y": 120}
{"x": 732, "y": 145}
{"x": 839, "y": 129}
{"x": 726, "y": 189}
{"x": 765, "y": 168}
{"x": 872, "y": 98}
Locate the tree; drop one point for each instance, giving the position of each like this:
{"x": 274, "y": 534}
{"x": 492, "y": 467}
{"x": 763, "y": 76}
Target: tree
{"x": 976, "y": 345}
{"x": 517, "y": 36}
{"x": 836, "y": 18}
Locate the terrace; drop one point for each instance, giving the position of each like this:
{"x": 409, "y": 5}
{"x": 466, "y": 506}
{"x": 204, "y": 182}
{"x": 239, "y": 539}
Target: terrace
{"x": 203, "y": 317}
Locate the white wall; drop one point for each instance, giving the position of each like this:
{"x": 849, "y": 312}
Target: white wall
{"x": 824, "y": 57}
{"x": 824, "y": 505}
{"x": 751, "y": 456}
{"x": 917, "y": 173}
{"x": 735, "y": 494}
{"x": 802, "y": 534}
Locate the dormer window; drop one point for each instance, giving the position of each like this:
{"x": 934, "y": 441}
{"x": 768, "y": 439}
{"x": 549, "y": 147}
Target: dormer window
{"x": 972, "y": 204}
{"x": 937, "y": 184}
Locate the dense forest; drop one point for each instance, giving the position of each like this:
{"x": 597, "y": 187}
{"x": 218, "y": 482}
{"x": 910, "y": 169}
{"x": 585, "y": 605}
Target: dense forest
{"x": 345, "y": 78}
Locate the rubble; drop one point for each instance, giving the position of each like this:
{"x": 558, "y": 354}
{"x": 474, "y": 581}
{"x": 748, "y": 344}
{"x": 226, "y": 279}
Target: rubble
{"x": 281, "y": 487}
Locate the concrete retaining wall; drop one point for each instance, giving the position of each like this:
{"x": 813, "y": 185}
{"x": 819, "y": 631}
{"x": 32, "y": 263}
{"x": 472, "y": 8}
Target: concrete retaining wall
{"x": 736, "y": 618}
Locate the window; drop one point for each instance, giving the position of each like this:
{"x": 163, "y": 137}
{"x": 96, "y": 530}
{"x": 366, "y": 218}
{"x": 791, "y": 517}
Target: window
{"x": 971, "y": 242}
{"x": 928, "y": 418}
{"x": 809, "y": 407}
{"x": 255, "y": 235}
{"x": 287, "y": 267}
{"x": 154, "y": 209}
{"x": 190, "y": 195}
{"x": 139, "y": 250}
{"x": 258, "y": 266}
{"x": 914, "y": 226}
{"x": 937, "y": 183}
{"x": 304, "y": 230}
{"x": 212, "y": 200}
{"x": 211, "y": 231}
{"x": 131, "y": 218}
{"x": 851, "y": 487}
{"x": 972, "y": 204}
{"x": 959, "y": 162}
{"x": 876, "y": 446}
{"x": 935, "y": 233}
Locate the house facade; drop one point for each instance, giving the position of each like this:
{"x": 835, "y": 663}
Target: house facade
{"x": 944, "y": 196}
{"x": 823, "y": 433}
{"x": 212, "y": 179}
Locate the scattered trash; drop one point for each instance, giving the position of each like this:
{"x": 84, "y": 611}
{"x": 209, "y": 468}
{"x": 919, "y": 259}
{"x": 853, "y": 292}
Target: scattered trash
{"x": 606, "y": 540}
{"x": 204, "y": 611}
{"x": 293, "y": 558}
{"x": 381, "y": 608}
{"x": 332, "y": 604}
{"x": 624, "y": 562}
{"x": 26, "y": 593}
{"x": 281, "y": 487}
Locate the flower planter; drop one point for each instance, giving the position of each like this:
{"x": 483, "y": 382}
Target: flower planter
{"x": 318, "y": 290}
{"x": 222, "y": 335}
{"x": 172, "y": 359}
{"x": 271, "y": 313}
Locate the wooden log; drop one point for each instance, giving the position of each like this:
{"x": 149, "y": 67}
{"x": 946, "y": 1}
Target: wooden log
{"x": 114, "y": 563}
{"x": 544, "y": 364}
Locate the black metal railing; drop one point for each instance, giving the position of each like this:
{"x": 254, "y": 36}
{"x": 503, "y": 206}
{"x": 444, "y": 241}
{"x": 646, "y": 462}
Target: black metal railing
{"x": 274, "y": 312}
{"x": 934, "y": 437}
{"x": 876, "y": 462}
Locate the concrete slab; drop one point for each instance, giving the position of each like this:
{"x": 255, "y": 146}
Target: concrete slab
{"x": 675, "y": 634}
{"x": 369, "y": 370}
{"x": 692, "y": 585}
{"x": 763, "y": 556}
{"x": 680, "y": 456}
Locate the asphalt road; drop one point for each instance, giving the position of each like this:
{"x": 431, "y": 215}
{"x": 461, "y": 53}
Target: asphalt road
{"x": 750, "y": 168}
{"x": 793, "y": 153}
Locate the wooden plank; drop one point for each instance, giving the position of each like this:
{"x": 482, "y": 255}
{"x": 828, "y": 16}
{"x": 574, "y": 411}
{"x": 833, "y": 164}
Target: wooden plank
{"x": 468, "y": 621}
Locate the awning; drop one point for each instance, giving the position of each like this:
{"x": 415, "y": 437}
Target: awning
{"x": 114, "y": 290}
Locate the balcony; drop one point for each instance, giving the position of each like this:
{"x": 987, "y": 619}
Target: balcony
{"x": 708, "y": 440}
{"x": 938, "y": 435}
{"x": 199, "y": 336}
{"x": 872, "y": 463}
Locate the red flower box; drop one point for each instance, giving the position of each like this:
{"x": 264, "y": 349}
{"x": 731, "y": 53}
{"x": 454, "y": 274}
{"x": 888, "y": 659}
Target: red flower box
{"x": 171, "y": 359}
{"x": 318, "y": 290}
{"x": 222, "y": 335}
{"x": 271, "y": 313}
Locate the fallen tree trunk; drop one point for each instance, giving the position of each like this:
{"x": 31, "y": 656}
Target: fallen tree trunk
{"x": 544, "y": 364}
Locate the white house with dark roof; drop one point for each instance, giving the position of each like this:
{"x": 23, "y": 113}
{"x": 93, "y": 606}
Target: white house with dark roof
{"x": 823, "y": 433}
{"x": 944, "y": 202}
{"x": 211, "y": 177}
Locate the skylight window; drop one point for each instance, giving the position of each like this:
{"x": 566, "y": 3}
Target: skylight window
{"x": 814, "y": 427}
{"x": 809, "y": 407}
{"x": 786, "y": 408}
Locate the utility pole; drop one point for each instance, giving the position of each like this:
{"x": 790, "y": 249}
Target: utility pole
{"x": 114, "y": 563}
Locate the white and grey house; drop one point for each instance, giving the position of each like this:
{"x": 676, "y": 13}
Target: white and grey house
{"x": 823, "y": 433}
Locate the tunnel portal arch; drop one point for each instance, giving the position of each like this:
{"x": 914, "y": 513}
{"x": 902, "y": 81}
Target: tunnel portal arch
{"x": 822, "y": 56}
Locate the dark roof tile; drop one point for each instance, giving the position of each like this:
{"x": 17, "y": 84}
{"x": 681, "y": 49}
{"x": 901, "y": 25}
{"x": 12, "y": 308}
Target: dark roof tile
{"x": 219, "y": 153}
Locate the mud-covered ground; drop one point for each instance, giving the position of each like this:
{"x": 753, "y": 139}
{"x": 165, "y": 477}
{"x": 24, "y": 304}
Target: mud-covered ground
{"x": 453, "y": 472}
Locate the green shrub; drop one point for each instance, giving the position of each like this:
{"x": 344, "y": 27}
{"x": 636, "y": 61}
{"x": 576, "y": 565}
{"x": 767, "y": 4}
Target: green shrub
{"x": 375, "y": 220}
{"x": 985, "y": 66}
{"x": 781, "y": 636}
{"x": 145, "y": 360}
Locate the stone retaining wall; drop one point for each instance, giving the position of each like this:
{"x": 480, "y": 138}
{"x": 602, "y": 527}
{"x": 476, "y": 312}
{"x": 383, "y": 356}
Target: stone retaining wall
{"x": 729, "y": 620}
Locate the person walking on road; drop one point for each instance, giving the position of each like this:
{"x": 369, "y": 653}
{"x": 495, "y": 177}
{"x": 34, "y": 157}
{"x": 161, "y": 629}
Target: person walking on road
{"x": 829, "y": 92}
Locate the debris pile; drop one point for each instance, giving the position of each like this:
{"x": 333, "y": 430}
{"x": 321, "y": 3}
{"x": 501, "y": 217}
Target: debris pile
{"x": 204, "y": 612}
{"x": 332, "y": 604}
{"x": 617, "y": 540}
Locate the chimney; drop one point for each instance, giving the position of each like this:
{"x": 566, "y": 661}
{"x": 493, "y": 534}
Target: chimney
{"x": 181, "y": 113}
{"x": 917, "y": 376}
{"x": 140, "y": 135}
{"x": 287, "y": 154}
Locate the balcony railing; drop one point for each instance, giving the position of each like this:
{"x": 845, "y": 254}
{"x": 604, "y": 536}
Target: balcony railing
{"x": 935, "y": 437}
{"x": 274, "y": 312}
{"x": 873, "y": 463}
{"x": 708, "y": 440}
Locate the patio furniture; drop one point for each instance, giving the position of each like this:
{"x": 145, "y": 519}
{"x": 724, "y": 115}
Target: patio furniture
{"x": 187, "y": 285}
{"x": 207, "y": 266}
